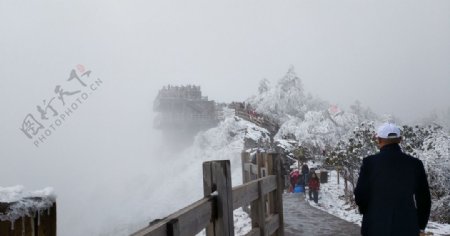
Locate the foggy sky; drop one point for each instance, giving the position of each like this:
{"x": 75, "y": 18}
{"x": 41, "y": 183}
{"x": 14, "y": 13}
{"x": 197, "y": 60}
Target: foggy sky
{"x": 393, "y": 56}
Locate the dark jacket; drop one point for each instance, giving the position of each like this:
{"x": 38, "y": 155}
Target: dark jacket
{"x": 305, "y": 169}
{"x": 387, "y": 186}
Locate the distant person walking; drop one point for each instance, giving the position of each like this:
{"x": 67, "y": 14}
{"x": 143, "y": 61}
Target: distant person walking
{"x": 392, "y": 191}
{"x": 314, "y": 186}
{"x": 293, "y": 177}
{"x": 305, "y": 173}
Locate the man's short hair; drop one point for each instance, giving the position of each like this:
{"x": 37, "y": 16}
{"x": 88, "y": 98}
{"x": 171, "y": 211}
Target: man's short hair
{"x": 388, "y": 131}
{"x": 390, "y": 140}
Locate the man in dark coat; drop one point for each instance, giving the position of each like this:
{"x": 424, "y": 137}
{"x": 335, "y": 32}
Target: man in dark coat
{"x": 305, "y": 173}
{"x": 392, "y": 191}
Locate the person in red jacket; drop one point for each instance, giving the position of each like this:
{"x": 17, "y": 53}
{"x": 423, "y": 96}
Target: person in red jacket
{"x": 314, "y": 185}
{"x": 293, "y": 178}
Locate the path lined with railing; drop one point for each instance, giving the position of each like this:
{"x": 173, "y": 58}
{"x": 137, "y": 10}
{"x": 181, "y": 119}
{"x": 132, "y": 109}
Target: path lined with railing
{"x": 261, "y": 195}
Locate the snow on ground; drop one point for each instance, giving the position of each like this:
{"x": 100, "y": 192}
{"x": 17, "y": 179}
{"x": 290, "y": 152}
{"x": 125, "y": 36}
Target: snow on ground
{"x": 330, "y": 202}
{"x": 242, "y": 222}
{"x": 22, "y": 202}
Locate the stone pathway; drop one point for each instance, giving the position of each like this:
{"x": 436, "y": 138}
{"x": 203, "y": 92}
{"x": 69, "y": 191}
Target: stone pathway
{"x": 302, "y": 219}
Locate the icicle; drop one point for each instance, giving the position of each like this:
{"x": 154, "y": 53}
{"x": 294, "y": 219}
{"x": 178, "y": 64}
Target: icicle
{"x": 39, "y": 218}
{"x": 48, "y": 211}
{"x": 12, "y": 225}
{"x": 23, "y": 226}
{"x": 32, "y": 224}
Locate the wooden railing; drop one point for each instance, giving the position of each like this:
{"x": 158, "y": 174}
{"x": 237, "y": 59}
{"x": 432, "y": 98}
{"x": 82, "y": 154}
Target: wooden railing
{"x": 267, "y": 211}
{"x": 214, "y": 212}
{"x": 260, "y": 120}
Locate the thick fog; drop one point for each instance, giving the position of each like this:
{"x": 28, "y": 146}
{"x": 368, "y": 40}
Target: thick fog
{"x": 392, "y": 56}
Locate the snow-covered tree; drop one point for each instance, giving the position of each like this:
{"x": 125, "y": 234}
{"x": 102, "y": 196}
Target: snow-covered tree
{"x": 347, "y": 155}
{"x": 264, "y": 86}
{"x": 438, "y": 119}
{"x": 363, "y": 113}
{"x": 428, "y": 143}
{"x": 431, "y": 144}
{"x": 285, "y": 99}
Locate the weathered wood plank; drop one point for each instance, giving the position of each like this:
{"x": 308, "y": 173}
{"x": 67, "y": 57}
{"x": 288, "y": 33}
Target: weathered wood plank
{"x": 278, "y": 195}
{"x": 248, "y": 167}
{"x": 191, "y": 219}
{"x": 254, "y": 232}
{"x": 251, "y": 168}
{"x": 45, "y": 225}
{"x": 173, "y": 228}
{"x": 269, "y": 184}
{"x": 246, "y": 177}
{"x": 272, "y": 224}
{"x": 244, "y": 194}
{"x": 260, "y": 162}
{"x": 258, "y": 210}
{"x": 208, "y": 189}
{"x": 51, "y": 224}
{"x": 196, "y": 220}
{"x": 245, "y": 156}
{"x": 223, "y": 224}
{"x": 271, "y": 196}
{"x": 208, "y": 185}
{"x": 254, "y": 170}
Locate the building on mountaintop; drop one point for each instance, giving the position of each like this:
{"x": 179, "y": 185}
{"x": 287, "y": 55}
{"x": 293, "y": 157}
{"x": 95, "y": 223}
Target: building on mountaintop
{"x": 184, "y": 108}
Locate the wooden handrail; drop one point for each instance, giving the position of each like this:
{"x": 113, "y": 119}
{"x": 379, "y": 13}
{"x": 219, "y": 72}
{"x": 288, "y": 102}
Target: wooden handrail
{"x": 215, "y": 211}
{"x": 191, "y": 220}
{"x": 248, "y": 192}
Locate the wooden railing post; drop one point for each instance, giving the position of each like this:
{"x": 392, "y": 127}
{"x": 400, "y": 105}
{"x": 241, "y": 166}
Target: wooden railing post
{"x": 246, "y": 175}
{"x": 258, "y": 211}
{"x": 245, "y": 156}
{"x": 258, "y": 206}
{"x": 173, "y": 228}
{"x": 274, "y": 163}
{"x": 217, "y": 177}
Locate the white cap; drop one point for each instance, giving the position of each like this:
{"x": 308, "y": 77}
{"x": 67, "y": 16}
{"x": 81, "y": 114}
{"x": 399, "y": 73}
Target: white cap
{"x": 388, "y": 130}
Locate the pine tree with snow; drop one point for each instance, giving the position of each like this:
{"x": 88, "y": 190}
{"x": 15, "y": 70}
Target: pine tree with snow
{"x": 431, "y": 144}
{"x": 264, "y": 86}
{"x": 285, "y": 99}
{"x": 348, "y": 153}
